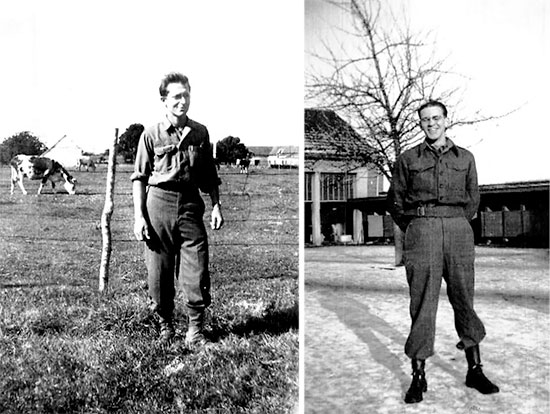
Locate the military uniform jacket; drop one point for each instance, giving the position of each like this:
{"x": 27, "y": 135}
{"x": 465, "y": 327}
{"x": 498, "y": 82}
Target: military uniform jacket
{"x": 425, "y": 176}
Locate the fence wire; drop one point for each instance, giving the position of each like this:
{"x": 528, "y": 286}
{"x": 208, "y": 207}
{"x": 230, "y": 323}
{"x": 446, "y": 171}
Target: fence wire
{"x": 237, "y": 190}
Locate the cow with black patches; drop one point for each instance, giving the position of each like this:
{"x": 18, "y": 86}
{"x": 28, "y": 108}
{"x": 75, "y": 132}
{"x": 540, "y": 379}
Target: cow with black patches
{"x": 243, "y": 164}
{"x": 40, "y": 168}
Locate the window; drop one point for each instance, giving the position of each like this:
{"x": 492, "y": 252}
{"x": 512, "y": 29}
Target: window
{"x": 337, "y": 187}
{"x": 308, "y": 196}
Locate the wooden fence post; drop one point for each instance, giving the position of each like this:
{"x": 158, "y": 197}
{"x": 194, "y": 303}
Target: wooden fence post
{"x": 106, "y": 216}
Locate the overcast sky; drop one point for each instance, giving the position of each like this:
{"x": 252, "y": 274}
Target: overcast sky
{"x": 501, "y": 47}
{"x": 83, "y": 68}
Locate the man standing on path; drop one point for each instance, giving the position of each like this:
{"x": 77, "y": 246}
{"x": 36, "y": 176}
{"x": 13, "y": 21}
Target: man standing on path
{"x": 173, "y": 164}
{"x": 433, "y": 196}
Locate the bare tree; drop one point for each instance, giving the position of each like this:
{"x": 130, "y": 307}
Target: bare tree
{"x": 380, "y": 83}
{"x": 377, "y": 78}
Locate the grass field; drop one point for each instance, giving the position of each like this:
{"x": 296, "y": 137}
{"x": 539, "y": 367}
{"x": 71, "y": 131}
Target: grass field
{"x": 66, "y": 348}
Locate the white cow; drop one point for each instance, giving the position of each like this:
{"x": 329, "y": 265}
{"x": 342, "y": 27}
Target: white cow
{"x": 39, "y": 168}
{"x": 85, "y": 161}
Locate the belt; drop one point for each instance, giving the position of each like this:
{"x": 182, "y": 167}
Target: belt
{"x": 176, "y": 186}
{"x": 436, "y": 211}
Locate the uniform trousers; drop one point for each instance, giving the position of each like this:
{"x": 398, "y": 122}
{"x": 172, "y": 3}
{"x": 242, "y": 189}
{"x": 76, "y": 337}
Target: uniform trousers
{"x": 436, "y": 248}
{"x": 177, "y": 249}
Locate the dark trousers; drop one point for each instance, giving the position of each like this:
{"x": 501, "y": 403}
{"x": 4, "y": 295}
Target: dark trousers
{"x": 178, "y": 249}
{"x": 437, "y": 247}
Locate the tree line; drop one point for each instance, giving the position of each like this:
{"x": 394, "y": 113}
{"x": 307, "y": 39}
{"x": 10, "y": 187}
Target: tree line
{"x": 228, "y": 149}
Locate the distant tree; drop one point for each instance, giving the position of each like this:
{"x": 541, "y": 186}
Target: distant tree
{"x": 128, "y": 142}
{"x": 230, "y": 149}
{"x": 21, "y": 143}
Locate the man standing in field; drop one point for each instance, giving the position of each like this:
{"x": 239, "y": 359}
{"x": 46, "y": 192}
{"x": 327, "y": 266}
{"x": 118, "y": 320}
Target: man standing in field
{"x": 173, "y": 164}
{"x": 433, "y": 196}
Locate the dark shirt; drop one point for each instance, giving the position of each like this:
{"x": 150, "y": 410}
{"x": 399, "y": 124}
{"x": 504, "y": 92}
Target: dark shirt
{"x": 167, "y": 155}
{"x": 424, "y": 175}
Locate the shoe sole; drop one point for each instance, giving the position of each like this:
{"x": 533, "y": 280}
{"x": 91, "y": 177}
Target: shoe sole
{"x": 482, "y": 392}
{"x": 413, "y": 401}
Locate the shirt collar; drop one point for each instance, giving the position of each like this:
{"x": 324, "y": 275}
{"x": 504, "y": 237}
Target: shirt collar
{"x": 167, "y": 125}
{"x": 449, "y": 145}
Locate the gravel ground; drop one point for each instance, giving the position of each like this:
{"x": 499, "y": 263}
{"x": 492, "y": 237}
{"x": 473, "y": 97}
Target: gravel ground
{"x": 356, "y": 324}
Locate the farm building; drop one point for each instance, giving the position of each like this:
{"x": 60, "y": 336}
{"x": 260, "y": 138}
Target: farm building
{"x": 284, "y": 157}
{"x": 65, "y": 151}
{"x": 514, "y": 214}
{"x": 259, "y": 155}
{"x": 345, "y": 200}
{"x": 336, "y": 172}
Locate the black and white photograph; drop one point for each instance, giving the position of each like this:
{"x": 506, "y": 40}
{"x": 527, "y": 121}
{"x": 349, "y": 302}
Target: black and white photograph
{"x": 425, "y": 222}
{"x": 274, "y": 207}
{"x": 149, "y": 206}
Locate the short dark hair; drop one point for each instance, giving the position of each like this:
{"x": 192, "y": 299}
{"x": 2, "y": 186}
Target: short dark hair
{"x": 433, "y": 103}
{"x": 172, "y": 77}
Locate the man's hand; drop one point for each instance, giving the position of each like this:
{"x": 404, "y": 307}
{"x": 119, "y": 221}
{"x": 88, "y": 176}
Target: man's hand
{"x": 141, "y": 229}
{"x": 217, "y": 219}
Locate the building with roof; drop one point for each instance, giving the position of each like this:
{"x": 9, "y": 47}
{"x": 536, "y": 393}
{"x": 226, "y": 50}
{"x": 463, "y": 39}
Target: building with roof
{"x": 345, "y": 200}
{"x": 284, "y": 157}
{"x": 509, "y": 214}
{"x": 514, "y": 213}
{"x": 259, "y": 154}
{"x": 337, "y": 171}
{"x": 65, "y": 151}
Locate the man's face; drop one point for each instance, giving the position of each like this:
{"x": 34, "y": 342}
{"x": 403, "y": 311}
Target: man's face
{"x": 433, "y": 122}
{"x": 177, "y": 99}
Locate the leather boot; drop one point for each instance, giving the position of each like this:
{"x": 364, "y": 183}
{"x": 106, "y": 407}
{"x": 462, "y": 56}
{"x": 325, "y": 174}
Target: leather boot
{"x": 475, "y": 378}
{"x": 195, "y": 330}
{"x": 167, "y": 330}
{"x": 418, "y": 384}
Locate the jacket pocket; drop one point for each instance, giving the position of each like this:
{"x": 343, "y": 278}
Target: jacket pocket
{"x": 458, "y": 172}
{"x": 422, "y": 177}
{"x": 165, "y": 158}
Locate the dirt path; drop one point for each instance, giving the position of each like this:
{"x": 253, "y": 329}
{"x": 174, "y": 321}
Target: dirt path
{"x": 357, "y": 322}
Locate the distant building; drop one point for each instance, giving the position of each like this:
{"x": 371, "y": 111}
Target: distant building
{"x": 336, "y": 171}
{"x": 513, "y": 213}
{"x": 284, "y": 157}
{"x": 509, "y": 214}
{"x": 259, "y": 155}
{"x": 65, "y": 151}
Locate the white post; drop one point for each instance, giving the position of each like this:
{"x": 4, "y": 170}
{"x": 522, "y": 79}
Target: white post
{"x": 358, "y": 235}
{"x": 106, "y": 216}
{"x": 316, "y": 209}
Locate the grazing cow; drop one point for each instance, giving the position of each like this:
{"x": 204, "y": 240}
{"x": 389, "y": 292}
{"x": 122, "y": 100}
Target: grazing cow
{"x": 39, "y": 168}
{"x": 244, "y": 164}
{"x": 87, "y": 162}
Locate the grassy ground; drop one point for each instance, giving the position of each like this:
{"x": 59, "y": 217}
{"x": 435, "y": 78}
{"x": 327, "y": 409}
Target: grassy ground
{"x": 64, "y": 347}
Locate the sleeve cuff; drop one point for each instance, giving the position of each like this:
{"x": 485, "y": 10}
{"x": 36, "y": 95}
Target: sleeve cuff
{"x": 139, "y": 176}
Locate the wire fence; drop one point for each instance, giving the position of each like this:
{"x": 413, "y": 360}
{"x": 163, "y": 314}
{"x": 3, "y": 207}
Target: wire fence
{"x": 237, "y": 215}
